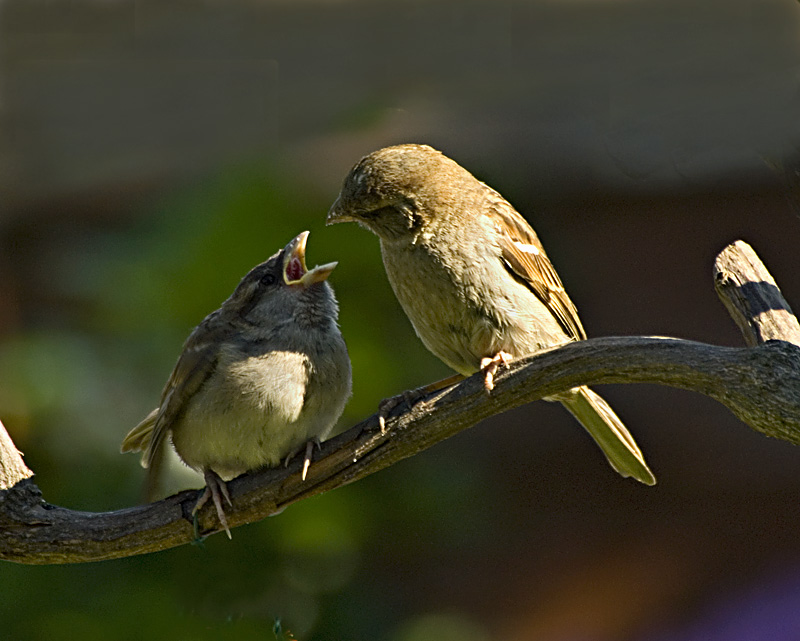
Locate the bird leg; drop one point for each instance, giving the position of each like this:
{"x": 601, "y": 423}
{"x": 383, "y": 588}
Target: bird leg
{"x": 412, "y": 397}
{"x": 215, "y": 490}
{"x": 489, "y": 367}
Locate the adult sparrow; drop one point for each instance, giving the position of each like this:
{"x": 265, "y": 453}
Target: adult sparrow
{"x": 261, "y": 377}
{"x": 472, "y": 276}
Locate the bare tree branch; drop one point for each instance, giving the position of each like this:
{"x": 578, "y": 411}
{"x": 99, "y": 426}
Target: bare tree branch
{"x": 12, "y": 467}
{"x": 760, "y": 385}
{"x": 752, "y": 298}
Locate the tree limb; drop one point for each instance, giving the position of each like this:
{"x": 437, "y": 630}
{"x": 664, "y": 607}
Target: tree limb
{"x": 759, "y": 384}
{"x": 752, "y": 298}
{"x": 12, "y": 467}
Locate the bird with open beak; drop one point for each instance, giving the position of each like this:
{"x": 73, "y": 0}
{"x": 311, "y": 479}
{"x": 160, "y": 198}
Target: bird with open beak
{"x": 259, "y": 379}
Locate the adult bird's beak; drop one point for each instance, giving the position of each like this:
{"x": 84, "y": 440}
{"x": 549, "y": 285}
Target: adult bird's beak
{"x": 337, "y": 214}
{"x": 295, "y": 272}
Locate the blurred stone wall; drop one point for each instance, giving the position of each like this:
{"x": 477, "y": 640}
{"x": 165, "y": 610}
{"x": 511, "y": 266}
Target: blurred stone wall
{"x": 119, "y": 97}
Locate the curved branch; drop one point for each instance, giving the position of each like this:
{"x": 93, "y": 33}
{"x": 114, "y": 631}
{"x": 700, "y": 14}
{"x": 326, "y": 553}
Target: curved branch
{"x": 760, "y": 385}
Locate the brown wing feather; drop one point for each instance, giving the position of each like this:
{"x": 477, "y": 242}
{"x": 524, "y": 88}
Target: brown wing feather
{"x": 196, "y": 363}
{"x": 533, "y": 266}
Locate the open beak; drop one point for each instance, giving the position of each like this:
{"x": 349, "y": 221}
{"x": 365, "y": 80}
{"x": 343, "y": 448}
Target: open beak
{"x": 336, "y": 215}
{"x": 294, "y": 265}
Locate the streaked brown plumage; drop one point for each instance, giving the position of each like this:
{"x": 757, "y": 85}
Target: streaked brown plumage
{"x": 472, "y": 275}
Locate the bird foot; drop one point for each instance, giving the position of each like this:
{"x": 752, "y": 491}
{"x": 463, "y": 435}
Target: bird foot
{"x": 489, "y": 367}
{"x": 412, "y": 397}
{"x": 215, "y": 490}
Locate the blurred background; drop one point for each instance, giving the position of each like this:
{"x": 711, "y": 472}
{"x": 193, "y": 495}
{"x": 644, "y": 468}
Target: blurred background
{"x": 152, "y": 151}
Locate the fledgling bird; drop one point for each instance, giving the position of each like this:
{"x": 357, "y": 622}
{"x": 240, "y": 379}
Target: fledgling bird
{"x": 472, "y": 276}
{"x": 258, "y": 379}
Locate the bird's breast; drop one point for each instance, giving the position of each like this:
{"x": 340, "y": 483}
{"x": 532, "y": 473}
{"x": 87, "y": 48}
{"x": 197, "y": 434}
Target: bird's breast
{"x": 465, "y": 305}
{"x": 256, "y": 410}
{"x": 442, "y": 300}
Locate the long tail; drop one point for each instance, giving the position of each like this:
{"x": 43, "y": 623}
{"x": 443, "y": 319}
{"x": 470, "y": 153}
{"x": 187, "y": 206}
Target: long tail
{"x": 609, "y": 433}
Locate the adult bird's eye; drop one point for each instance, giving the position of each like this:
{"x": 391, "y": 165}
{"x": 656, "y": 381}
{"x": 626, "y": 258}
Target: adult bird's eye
{"x": 268, "y": 279}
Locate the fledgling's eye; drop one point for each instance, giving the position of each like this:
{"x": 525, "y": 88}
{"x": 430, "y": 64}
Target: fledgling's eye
{"x": 381, "y": 212}
{"x": 268, "y": 279}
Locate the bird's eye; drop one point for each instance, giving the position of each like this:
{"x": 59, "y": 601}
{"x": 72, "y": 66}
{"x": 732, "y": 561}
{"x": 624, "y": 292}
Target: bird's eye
{"x": 381, "y": 212}
{"x": 268, "y": 279}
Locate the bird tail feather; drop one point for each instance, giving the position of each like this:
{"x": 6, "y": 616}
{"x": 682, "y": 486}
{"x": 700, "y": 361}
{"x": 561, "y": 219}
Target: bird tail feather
{"x": 139, "y": 440}
{"x": 609, "y": 433}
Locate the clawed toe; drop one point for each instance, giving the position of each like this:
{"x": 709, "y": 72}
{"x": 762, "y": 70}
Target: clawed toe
{"x": 489, "y": 367}
{"x": 309, "y": 450}
{"x": 307, "y": 458}
{"x": 409, "y": 397}
{"x": 412, "y": 397}
{"x": 215, "y": 490}
{"x": 386, "y": 406}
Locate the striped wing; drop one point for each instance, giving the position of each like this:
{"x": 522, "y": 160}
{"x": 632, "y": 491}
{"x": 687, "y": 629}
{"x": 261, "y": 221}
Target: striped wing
{"x": 526, "y": 259}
